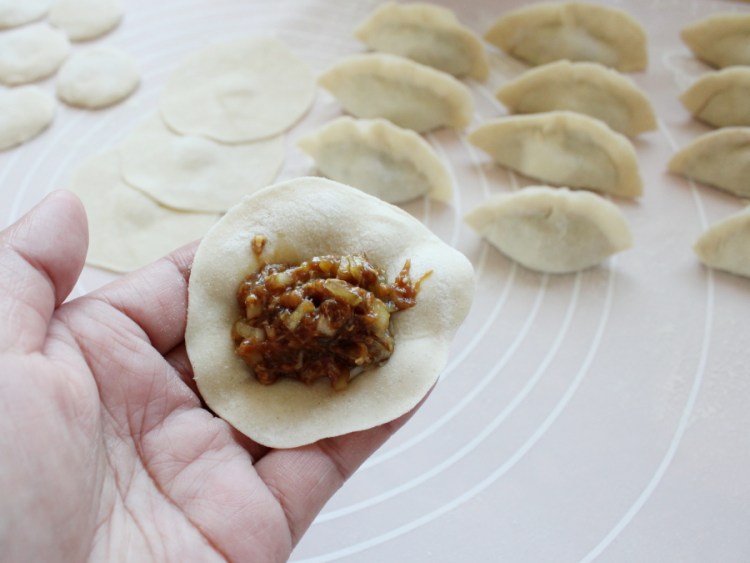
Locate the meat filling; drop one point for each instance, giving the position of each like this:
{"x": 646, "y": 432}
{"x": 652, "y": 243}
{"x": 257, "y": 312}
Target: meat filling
{"x": 326, "y": 317}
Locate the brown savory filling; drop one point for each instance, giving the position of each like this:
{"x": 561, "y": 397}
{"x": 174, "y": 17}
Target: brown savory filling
{"x": 324, "y": 317}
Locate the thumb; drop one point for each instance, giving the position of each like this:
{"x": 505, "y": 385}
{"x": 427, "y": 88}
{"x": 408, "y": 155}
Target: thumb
{"x": 41, "y": 257}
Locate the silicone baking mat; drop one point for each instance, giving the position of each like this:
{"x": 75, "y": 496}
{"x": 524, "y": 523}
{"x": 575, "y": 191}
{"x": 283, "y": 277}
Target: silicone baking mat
{"x": 596, "y": 416}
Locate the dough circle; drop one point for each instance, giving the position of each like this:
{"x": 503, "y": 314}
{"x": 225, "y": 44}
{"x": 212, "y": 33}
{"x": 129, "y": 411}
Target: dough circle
{"x": 127, "y": 229}
{"x": 195, "y": 173}
{"x": 97, "y": 78}
{"x": 24, "y": 113}
{"x": 239, "y": 91}
{"x": 303, "y": 218}
{"x": 31, "y": 53}
{"x": 20, "y": 12}
{"x": 85, "y": 19}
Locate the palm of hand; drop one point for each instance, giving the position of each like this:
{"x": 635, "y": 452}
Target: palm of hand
{"x": 108, "y": 452}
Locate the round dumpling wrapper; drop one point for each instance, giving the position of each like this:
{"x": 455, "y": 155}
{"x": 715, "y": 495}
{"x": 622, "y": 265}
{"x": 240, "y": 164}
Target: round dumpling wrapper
{"x": 195, "y": 173}
{"x": 303, "y": 218}
{"x": 97, "y": 78}
{"x": 19, "y": 12}
{"x": 127, "y": 229}
{"x": 82, "y": 20}
{"x": 239, "y": 91}
{"x": 31, "y": 53}
{"x": 24, "y": 113}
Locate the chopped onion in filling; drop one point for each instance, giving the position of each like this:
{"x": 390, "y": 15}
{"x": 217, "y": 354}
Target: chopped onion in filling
{"x": 328, "y": 317}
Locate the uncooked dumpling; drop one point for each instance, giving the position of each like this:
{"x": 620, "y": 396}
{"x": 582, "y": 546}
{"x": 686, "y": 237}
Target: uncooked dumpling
{"x": 97, "y": 78}
{"x": 576, "y": 31}
{"x": 82, "y": 20}
{"x": 428, "y": 34}
{"x": 552, "y": 230}
{"x": 565, "y": 149}
{"x": 379, "y": 158}
{"x": 725, "y": 244}
{"x": 587, "y": 88}
{"x": 240, "y": 91}
{"x": 31, "y": 53}
{"x": 720, "y": 40}
{"x": 409, "y": 94}
{"x": 720, "y": 158}
{"x": 24, "y": 113}
{"x": 127, "y": 229}
{"x": 301, "y": 219}
{"x": 720, "y": 98}
{"x": 195, "y": 173}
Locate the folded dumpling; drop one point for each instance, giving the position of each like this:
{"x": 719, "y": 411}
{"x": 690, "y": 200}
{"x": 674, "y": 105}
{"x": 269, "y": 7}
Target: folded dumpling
{"x": 565, "y": 149}
{"x": 720, "y": 40}
{"x": 409, "y": 94}
{"x": 428, "y": 34}
{"x": 587, "y": 88}
{"x": 720, "y": 159}
{"x": 720, "y": 98}
{"x": 577, "y": 31}
{"x": 552, "y": 230}
{"x": 724, "y": 245}
{"x": 379, "y": 158}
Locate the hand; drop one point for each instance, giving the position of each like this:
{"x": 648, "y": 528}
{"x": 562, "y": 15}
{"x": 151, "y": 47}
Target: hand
{"x": 105, "y": 449}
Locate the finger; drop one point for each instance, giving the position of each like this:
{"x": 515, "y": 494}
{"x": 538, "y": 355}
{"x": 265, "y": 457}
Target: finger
{"x": 41, "y": 258}
{"x": 155, "y": 298}
{"x": 304, "y": 479}
{"x": 178, "y": 359}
